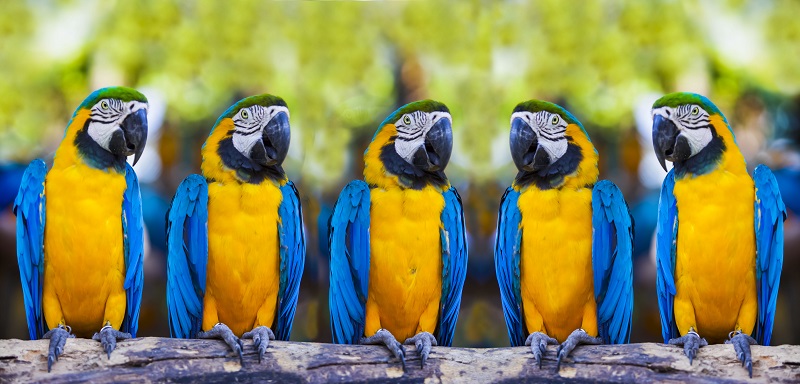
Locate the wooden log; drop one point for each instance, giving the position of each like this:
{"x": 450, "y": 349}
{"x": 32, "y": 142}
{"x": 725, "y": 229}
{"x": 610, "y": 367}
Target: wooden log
{"x": 208, "y": 361}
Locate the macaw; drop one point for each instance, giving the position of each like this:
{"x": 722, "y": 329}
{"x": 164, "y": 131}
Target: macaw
{"x": 719, "y": 239}
{"x": 80, "y": 234}
{"x": 398, "y": 251}
{"x": 235, "y": 237}
{"x": 563, "y": 254}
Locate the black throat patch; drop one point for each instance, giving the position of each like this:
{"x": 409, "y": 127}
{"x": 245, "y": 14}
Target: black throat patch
{"x": 409, "y": 175}
{"x": 95, "y": 155}
{"x": 247, "y": 170}
{"x": 553, "y": 175}
{"x": 704, "y": 161}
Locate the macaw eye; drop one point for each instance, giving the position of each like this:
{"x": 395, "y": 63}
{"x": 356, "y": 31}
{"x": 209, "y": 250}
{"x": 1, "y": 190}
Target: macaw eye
{"x": 554, "y": 120}
{"x": 104, "y": 104}
{"x": 407, "y": 120}
{"x": 695, "y": 111}
{"x": 245, "y": 115}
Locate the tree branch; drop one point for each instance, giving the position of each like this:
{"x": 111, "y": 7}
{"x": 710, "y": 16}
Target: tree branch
{"x": 157, "y": 360}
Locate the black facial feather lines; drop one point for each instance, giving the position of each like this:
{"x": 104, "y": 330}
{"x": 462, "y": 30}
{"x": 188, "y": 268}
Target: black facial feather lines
{"x": 690, "y": 120}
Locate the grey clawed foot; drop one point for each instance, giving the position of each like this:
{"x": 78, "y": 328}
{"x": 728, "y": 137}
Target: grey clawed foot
{"x": 576, "y": 338}
{"x": 108, "y": 337}
{"x": 423, "y": 341}
{"x": 538, "y": 342}
{"x": 58, "y": 337}
{"x": 690, "y": 342}
{"x": 741, "y": 344}
{"x": 221, "y": 331}
{"x": 261, "y": 336}
{"x": 384, "y": 337}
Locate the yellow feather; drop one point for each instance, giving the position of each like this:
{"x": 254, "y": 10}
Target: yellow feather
{"x": 405, "y": 277}
{"x": 556, "y": 280}
{"x": 84, "y": 261}
{"x": 243, "y": 255}
{"x": 715, "y": 266}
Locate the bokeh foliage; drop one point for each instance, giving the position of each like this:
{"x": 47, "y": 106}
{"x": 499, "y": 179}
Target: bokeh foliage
{"x": 336, "y": 63}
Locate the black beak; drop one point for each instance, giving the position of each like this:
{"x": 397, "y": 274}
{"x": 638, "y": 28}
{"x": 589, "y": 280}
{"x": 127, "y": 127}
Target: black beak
{"x": 134, "y": 130}
{"x": 668, "y": 143}
{"x": 528, "y": 156}
{"x": 435, "y": 153}
{"x": 274, "y": 144}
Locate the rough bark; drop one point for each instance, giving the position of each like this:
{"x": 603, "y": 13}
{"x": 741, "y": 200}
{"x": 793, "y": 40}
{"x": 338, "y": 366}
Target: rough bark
{"x": 200, "y": 361}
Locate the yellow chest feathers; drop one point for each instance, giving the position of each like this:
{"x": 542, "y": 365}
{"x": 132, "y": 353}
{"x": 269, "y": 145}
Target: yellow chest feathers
{"x": 405, "y": 259}
{"x": 243, "y": 216}
{"x": 556, "y": 230}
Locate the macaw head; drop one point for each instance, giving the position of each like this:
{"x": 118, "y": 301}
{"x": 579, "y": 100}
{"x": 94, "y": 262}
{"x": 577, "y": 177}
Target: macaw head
{"x": 550, "y": 147}
{"x": 411, "y": 147}
{"x": 114, "y": 126}
{"x": 689, "y": 131}
{"x": 249, "y": 141}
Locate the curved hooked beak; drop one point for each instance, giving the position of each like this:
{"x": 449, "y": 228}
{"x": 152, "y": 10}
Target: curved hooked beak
{"x": 526, "y": 152}
{"x": 668, "y": 142}
{"x": 274, "y": 143}
{"x": 134, "y": 135}
{"x": 434, "y": 154}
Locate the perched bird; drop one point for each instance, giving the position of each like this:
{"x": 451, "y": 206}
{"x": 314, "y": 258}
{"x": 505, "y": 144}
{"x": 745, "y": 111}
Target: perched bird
{"x": 719, "y": 241}
{"x": 564, "y": 246}
{"x": 398, "y": 253}
{"x": 80, "y": 234}
{"x": 235, "y": 239}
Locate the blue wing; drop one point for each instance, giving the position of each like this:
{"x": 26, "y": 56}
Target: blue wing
{"x": 349, "y": 263}
{"x": 29, "y": 207}
{"x": 187, "y": 259}
{"x": 133, "y": 242}
{"x": 454, "y": 266}
{"x": 506, "y": 261}
{"x": 666, "y": 241}
{"x": 612, "y": 262}
{"x": 293, "y": 254}
{"x": 769, "y": 215}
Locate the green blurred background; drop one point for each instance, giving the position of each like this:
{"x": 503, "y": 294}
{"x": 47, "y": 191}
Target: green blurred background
{"x": 343, "y": 66}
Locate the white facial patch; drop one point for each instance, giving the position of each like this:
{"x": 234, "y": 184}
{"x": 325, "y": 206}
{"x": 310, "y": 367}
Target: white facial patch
{"x": 692, "y": 122}
{"x": 550, "y": 130}
{"x": 249, "y": 125}
{"x": 107, "y": 116}
{"x": 412, "y": 129}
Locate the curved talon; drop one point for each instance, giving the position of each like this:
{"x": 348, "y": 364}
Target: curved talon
{"x": 741, "y": 346}
{"x": 576, "y": 338}
{"x": 384, "y": 337}
{"x": 108, "y": 337}
{"x": 221, "y": 331}
{"x": 691, "y": 343}
{"x": 423, "y": 341}
{"x": 58, "y": 337}
{"x": 261, "y": 336}
{"x": 538, "y": 342}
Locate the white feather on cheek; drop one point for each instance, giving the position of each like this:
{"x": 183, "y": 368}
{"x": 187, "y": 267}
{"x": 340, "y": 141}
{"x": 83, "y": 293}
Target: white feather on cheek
{"x": 102, "y": 133}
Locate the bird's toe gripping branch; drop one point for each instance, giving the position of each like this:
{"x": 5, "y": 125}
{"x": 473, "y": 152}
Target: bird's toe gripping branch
{"x": 538, "y": 342}
{"x": 221, "y": 331}
{"x": 384, "y": 337}
{"x": 690, "y": 342}
{"x": 576, "y": 338}
{"x": 741, "y": 344}
{"x": 261, "y": 336}
{"x": 108, "y": 337}
{"x": 58, "y": 337}
{"x": 423, "y": 341}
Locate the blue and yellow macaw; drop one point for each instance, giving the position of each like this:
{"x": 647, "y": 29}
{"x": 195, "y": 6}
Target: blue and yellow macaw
{"x": 398, "y": 252}
{"x": 235, "y": 234}
{"x": 563, "y": 254}
{"x": 719, "y": 242}
{"x": 80, "y": 235}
